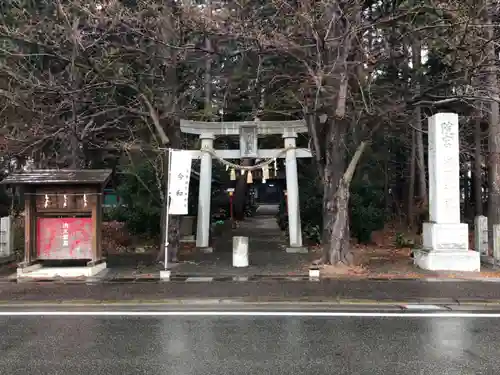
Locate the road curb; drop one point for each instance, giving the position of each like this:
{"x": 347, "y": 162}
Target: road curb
{"x": 250, "y": 302}
{"x": 240, "y": 279}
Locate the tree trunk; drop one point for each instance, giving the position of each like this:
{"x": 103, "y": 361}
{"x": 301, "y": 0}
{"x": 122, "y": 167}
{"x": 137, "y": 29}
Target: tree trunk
{"x": 337, "y": 249}
{"x": 417, "y": 114}
{"x": 338, "y": 246}
{"x": 387, "y": 195}
{"x": 76, "y": 155}
{"x": 173, "y": 237}
{"x": 208, "y": 78}
{"x": 332, "y": 174}
{"x": 336, "y": 184}
{"x": 411, "y": 183}
{"x": 477, "y": 176}
{"x": 240, "y": 192}
{"x": 494, "y": 130}
{"x": 329, "y": 135}
{"x": 466, "y": 182}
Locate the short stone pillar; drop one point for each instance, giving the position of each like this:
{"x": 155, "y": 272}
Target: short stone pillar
{"x": 496, "y": 244}
{"x": 6, "y": 238}
{"x": 445, "y": 240}
{"x": 165, "y": 275}
{"x": 481, "y": 234}
{"x": 240, "y": 251}
{"x": 314, "y": 274}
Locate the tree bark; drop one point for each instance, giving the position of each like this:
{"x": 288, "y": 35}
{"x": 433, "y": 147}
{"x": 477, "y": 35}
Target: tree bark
{"x": 241, "y": 189}
{"x": 411, "y": 183}
{"x": 494, "y": 128}
{"x": 240, "y": 192}
{"x": 329, "y": 127}
{"x": 77, "y": 156}
{"x": 417, "y": 113}
{"x": 173, "y": 237}
{"x": 338, "y": 246}
{"x": 466, "y": 182}
{"x": 334, "y": 165}
{"x": 208, "y": 78}
{"x": 166, "y": 125}
{"x": 478, "y": 169}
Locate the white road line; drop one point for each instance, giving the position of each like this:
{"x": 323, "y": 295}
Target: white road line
{"x": 199, "y": 279}
{"x": 298, "y": 314}
{"x": 422, "y": 307}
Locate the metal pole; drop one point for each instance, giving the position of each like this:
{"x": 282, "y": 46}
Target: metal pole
{"x": 231, "y": 206}
{"x": 167, "y": 205}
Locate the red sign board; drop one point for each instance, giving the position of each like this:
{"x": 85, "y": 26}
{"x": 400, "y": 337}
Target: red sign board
{"x": 64, "y": 238}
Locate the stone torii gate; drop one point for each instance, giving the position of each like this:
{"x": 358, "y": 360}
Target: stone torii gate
{"x": 248, "y": 132}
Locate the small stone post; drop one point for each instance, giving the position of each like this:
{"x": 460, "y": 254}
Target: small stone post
{"x": 240, "y": 251}
{"x": 481, "y": 234}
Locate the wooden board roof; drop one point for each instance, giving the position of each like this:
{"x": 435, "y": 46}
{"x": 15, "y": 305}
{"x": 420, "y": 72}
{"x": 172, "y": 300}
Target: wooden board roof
{"x": 59, "y": 177}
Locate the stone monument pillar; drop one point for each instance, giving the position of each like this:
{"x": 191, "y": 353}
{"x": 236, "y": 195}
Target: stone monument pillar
{"x": 204, "y": 195}
{"x": 445, "y": 239}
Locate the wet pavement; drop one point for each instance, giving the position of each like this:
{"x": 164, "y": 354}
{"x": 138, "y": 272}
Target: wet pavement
{"x": 268, "y": 263}
{"x": 266, "y": 247}
{"x": 328, "y": 290}
{"x": 208, "y": 345}
{"x": 267, "y": 255}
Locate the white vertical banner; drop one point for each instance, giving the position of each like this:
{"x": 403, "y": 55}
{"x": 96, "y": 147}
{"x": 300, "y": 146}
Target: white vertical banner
{"x": 178, "y": 182}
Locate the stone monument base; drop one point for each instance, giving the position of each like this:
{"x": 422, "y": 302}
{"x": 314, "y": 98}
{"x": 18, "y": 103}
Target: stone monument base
{"x": 447, "y": 260}
{"x": 446, "y": 248}
{"x": 37, "y": 271}
{"x": 297, "y": 250}
{"x": 445, "y": 236}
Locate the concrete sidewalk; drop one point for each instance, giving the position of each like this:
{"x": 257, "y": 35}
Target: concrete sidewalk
{"x": 342, "y": 291}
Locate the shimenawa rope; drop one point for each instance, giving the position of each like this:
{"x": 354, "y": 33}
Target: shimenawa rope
{"x": 250, "y": 167}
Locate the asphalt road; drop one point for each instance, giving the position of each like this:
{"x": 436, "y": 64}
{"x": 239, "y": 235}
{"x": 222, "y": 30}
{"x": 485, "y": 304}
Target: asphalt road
{"x": 220, "y": 345}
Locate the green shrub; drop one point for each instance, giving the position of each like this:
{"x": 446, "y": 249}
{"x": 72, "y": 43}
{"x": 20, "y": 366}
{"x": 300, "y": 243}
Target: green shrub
{"x": 311, "y": 207}
{"x": 18, "y": 241}
{"x": 220, "y": 205}
{"x": 366, "y": 210}
{"x": 140, "y": 207}
{"x": 400, "y": 241}
{"x": 281, "y": 216}
{"x": 313, "y": 233}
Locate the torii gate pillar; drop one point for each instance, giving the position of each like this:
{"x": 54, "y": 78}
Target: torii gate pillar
{"x": 292, "y": 188}
{"x": 248, "y": 132}
{"x": 205, "y": 195}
